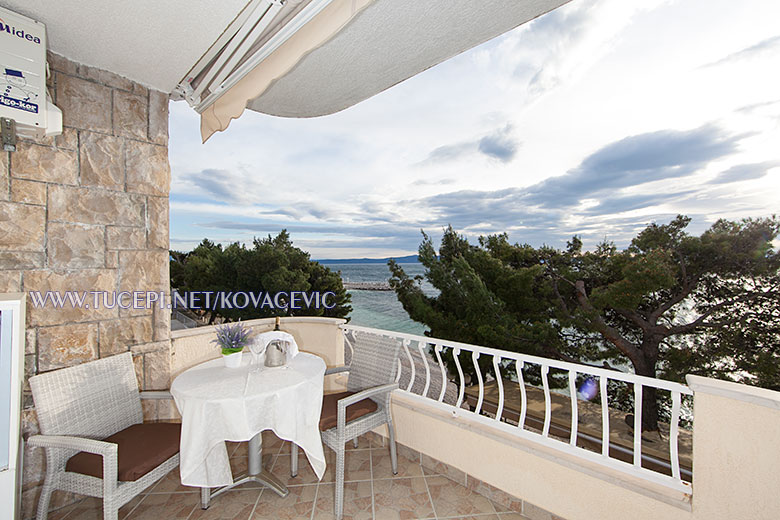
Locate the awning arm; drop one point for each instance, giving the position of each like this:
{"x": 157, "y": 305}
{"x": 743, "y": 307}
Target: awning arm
{"x": 219, "y": 62}
{"x": 222, "y": 74}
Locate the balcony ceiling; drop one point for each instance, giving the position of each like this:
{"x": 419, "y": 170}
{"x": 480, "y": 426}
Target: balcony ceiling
{"x": 152, "y": 42}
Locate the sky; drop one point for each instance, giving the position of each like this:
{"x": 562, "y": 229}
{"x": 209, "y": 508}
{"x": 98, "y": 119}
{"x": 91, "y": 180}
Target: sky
{"x": 595, "y": 120}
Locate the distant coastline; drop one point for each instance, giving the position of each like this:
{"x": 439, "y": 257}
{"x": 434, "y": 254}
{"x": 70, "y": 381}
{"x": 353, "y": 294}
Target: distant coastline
{"x": 410, "y": 259}
{"x": 367, "y": 286}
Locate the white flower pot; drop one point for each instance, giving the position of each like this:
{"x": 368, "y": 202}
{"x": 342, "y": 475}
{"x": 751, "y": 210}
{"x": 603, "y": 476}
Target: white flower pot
{"x": 232, "y": 360}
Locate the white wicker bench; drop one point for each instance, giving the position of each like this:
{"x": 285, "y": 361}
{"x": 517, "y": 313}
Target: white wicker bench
{"x": 79, "y": 406}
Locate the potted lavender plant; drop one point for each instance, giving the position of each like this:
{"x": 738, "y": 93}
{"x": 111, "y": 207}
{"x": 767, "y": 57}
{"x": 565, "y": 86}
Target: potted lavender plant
{"x": 232, "y": 338}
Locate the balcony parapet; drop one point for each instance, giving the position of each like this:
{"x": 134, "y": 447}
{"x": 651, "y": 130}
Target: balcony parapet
{"x": 320, "y": 336}
{"x": 735, "y": 427}
{"x": 735, "y": 391}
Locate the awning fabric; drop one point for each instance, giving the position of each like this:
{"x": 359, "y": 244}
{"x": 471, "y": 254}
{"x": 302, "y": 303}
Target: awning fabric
{"x": 318, "y": 31}
{"x": 354, "y": 49}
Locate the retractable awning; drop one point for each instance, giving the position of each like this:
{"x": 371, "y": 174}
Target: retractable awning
{"x": 291, "y": 58}
{"x": 317, "y": 57}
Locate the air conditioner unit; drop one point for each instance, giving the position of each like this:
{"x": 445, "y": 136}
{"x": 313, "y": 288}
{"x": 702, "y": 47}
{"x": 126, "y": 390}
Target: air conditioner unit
{"x": 23, "y": 95}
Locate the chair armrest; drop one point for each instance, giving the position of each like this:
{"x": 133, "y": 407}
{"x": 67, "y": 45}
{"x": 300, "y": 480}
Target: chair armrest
{"x": 337, "y": 370}
{"x": 107, "y": 450}
{"x": 363, "y": 394}
{"x": 341, "y": 404}
{"x": 101, "y": 448}
{"x": 164, "y": 394}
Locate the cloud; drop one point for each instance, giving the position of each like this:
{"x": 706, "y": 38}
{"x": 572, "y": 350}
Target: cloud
{"x": 238, "y": 185}
{"x": 181, "y": 241}
{"x": 375, "y": 231}
{"x": 758, "y": 106}
{"x": 363, "y": 243}
{"x": 433, "y": 182}
{"x": 499, "y": 144}
{"x": 745, "y": 172}
{"x": 564, "y": 28}
{"x": 636, "y": 160}
{"x": 614, "y": 176}
{"x": 757, "y": 50}
{"x": 451, "y": 152}
{"x": 214, "y": 182}
{"x": 561, "y": 46}
{"x": 486, "y": 212}
{"x": 613, "y": 205}
{"x": 606, "y": 194}
{"x": 403, "y": 235}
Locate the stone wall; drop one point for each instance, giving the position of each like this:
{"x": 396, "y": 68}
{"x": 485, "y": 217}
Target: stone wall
{"x": 88, "y": 211}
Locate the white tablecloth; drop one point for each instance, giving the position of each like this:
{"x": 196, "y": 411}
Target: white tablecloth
{"x": 219, "y": 403}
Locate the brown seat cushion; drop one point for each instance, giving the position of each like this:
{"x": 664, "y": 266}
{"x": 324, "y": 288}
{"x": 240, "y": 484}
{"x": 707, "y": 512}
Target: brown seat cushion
{"x": 328, "y": 417}
{"x": 142, "y": 447}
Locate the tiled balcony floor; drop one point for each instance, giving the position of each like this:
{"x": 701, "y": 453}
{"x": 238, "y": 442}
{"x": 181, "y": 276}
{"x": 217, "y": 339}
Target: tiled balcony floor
{"x": 371, "y": 491}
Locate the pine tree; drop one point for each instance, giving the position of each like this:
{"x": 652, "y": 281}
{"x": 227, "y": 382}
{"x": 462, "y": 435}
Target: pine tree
{"x": 669, "y": 304}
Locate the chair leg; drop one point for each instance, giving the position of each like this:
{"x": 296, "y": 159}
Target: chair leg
{"x": 110, "y": 510}
{"x": 43, "y": 501}
{"x": 339, "y": 500}
{"x": 205, "y": 497}
{"x": 293, "y": 460}
{"x": 391, "y": 440}
{"x": 355, "y": 442}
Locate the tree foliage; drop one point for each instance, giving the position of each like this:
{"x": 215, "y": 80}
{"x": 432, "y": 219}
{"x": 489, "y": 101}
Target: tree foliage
{"x": 668, "y": 305}
{"x": 271, "y": 265}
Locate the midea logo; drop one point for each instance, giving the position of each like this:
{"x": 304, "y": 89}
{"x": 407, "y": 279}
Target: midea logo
{"x": 20, "y": 33}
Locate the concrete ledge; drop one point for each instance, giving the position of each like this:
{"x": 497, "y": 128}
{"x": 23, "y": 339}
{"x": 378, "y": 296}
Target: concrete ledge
{"x": 209, "y": 329}
{"x": 737, "y": 391}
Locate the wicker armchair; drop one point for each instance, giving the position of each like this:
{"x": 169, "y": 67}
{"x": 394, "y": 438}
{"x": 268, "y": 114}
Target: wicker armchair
{"x": 364, "y": 406}
{"x": 92, "y": 432}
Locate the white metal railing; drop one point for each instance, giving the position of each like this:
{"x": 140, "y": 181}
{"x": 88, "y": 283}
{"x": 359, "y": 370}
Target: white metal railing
{"x": 678, "y": 480}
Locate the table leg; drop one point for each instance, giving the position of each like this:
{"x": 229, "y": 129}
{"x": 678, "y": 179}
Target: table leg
{"x": 256, "y": 473}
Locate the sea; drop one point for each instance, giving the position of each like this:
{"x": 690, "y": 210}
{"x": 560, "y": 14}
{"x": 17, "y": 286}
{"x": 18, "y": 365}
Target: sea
{"x": 379, "y": 309}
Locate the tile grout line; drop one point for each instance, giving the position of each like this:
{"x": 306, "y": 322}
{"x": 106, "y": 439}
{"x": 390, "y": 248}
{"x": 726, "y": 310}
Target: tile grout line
{"x": 257, "y": 501}
{"x": 144, "y": 496}
{"x": 428, "y": 489}
{"x": 197, "y": 505}
{"x": 475, "y": 515}
{"x": 72, "y": 508}
{"x": 314, "y": 504}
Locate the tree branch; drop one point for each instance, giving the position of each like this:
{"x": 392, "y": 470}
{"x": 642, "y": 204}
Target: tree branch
{"x": 701, "y": 322}
{"x": 687, "y": 287}
{"x": 707, "y": 325}
{"x": 636, "y": 318}
{"x": 558, "y": 298}
{"x": 611, "y": 334}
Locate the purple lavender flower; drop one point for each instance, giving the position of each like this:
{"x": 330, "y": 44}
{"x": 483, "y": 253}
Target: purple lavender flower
{"x": 232, "y": 337}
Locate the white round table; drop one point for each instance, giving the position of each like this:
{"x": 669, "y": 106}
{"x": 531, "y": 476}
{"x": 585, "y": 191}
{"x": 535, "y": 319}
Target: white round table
{"x": 236, "y": 404}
